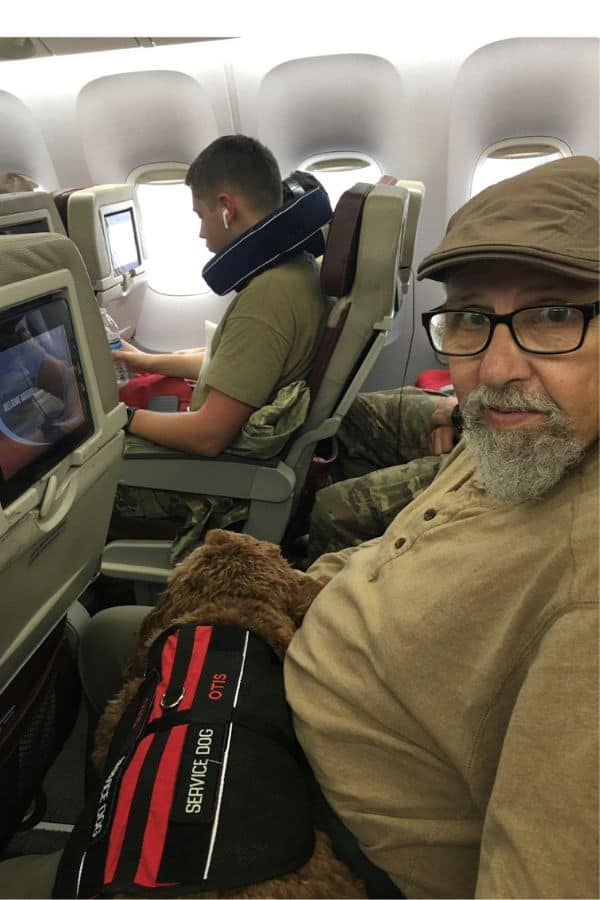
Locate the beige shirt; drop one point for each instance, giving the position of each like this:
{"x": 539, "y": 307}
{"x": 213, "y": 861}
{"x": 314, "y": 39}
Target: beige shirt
{"x": 444, "y": 686}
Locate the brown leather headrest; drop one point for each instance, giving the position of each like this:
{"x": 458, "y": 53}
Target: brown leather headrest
{"x": 339, "y": 261}
{"x": 61, "y": 199}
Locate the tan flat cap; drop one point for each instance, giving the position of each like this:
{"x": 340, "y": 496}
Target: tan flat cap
{"x": 547, "y": 216}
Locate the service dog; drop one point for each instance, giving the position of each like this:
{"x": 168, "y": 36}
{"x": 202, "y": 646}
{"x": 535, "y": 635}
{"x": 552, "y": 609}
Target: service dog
{"x": 235, "y": 603}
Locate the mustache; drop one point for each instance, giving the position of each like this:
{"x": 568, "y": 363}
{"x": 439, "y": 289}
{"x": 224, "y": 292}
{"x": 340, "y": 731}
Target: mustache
{"x": 507, "y": 399}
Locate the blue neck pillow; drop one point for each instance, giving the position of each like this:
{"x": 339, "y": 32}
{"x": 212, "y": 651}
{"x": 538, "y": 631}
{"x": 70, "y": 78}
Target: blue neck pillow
{"x": 291, "y": 228}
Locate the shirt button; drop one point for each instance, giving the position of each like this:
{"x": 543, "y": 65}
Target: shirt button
{"x": 430, "y": 514}
{"x": 399, "y": 542}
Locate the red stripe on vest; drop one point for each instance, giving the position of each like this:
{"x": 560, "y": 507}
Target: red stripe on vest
{"x": 158, "y": 819}
{"x": 123, "y": 805}
{"x": 168, "y": 655}
{"x": 166, "y": 776}
{"x": 202, "y": 638}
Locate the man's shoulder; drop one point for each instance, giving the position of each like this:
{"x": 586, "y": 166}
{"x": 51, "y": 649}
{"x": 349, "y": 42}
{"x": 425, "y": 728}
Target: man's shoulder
{"x": 292, "y": 284}
{"x": 299, "y": 268}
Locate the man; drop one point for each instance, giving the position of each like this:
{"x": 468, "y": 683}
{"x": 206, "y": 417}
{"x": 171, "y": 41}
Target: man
{"x": 268, "y": 335}
{"x": 266, "y": 340}
{"x": 444, "y": 683}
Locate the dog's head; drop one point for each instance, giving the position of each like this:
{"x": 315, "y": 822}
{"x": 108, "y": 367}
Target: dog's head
{"x": 230, "y": 567}
{"x": 235, "y": 578}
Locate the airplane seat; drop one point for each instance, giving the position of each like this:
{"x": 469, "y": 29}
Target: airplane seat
{"x": 29, "y": 212}
{"x": 388, "y": 215}
{"x": 104, "y": 222}
{"x": 61, "y": 442}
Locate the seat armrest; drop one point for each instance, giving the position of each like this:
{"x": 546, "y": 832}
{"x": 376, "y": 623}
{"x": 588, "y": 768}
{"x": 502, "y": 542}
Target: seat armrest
{"x": 227, "y": 475}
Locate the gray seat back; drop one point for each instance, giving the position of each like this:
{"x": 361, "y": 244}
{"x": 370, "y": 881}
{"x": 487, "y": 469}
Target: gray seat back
{"x": 387, "y": 224}
{"x": 57, "y": 497}
{"x": 104, "y": 221}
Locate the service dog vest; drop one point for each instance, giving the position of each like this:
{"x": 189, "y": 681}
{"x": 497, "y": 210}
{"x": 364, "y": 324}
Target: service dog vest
{"x": 204, "y": 784}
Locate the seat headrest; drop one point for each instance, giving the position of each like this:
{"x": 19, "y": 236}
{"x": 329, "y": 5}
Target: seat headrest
{"x": 90, "y": 212}
{"x": 29, "y": 212}
{"x": 290, "y": 229}
{"x": 61, "y": 198}
{"x": 339, "y": 263}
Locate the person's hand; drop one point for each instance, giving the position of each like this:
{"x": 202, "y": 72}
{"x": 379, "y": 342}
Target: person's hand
{"x": 135, "y": 360}
{"x": 443, "y": 434}
{"x": 125, "y": 345}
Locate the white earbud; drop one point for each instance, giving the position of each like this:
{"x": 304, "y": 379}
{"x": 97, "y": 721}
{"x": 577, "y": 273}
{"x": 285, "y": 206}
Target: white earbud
{"x": 226, "y": 219}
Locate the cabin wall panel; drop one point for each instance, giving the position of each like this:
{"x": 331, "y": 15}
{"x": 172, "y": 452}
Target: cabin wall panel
{"x": 135, "y": 118}
{"x": 523, "y": 87}
{"x": 329, "y": 103}
{"x": 23, "y": 148}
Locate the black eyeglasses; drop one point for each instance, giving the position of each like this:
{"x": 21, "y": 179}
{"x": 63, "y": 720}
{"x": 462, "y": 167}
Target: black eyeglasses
{"x": 551, "y": 329}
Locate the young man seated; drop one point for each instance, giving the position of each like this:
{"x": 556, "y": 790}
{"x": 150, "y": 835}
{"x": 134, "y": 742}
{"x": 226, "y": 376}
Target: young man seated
{"x": 265, "y": 341}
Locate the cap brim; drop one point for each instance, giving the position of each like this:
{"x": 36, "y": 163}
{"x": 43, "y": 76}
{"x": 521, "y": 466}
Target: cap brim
{"x": 437, "y": 266}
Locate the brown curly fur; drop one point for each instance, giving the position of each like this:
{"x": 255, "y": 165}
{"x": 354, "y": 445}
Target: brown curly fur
{"x": 234, "y": 579}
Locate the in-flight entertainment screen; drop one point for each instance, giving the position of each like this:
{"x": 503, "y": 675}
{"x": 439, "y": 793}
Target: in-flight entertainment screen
{"x": 44, "y": 409}
{"x": 122, "y": 240}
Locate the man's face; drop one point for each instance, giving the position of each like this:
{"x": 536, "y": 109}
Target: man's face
{"x": 212, "y": 228}
{"x": 522, "y": 399}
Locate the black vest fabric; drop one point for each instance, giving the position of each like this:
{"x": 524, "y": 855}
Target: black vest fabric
{"x": 204, "y": 785}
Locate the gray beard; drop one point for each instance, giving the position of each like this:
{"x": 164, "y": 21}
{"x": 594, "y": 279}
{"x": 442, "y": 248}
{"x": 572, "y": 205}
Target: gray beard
{"x": 526, "y": 463}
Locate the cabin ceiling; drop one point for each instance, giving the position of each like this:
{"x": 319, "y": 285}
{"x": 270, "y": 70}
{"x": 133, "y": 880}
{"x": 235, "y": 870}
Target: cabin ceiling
{"x": 12, "y": 48}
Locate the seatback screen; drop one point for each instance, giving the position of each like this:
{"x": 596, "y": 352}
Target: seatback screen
{"x": 32, "y": 227}
{"x": 44, "y": 409}
{"x": 122, "y": 241}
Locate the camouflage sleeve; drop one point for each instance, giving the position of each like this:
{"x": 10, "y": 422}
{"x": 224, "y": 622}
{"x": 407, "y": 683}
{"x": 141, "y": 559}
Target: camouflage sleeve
{"x": 385, "y": 428}
{"x": 414, "y": 413}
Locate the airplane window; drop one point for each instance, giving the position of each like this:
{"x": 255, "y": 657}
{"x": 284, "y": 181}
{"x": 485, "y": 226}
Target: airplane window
{"x": 176, "y": 255}
{"x": 339, "y": 171}
{"x": 513, "y": 156}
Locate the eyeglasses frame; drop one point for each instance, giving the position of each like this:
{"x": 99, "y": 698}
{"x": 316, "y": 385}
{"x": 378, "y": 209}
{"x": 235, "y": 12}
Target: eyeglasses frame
{"x": 589, "y": 310}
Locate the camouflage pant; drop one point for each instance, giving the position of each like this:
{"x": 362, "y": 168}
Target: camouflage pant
{"x": 358, "y": 509}
{"x": 382, "y": 464}
{"x": 193, "y": 513}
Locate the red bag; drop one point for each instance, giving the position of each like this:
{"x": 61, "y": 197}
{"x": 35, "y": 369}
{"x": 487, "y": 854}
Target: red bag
{"x": 434, "y": 379}
{"x": 140, "y": 388}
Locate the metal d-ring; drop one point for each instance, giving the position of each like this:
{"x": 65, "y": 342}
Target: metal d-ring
{"x": 174, "y": 703}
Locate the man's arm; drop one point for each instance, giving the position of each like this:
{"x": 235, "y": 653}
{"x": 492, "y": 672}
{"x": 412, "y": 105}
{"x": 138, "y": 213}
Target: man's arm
{"x": 540, "y": 836}
{"x": 208, "y": 430}
{"x": 443, "y": 434}
{"x": 181, "y": 364}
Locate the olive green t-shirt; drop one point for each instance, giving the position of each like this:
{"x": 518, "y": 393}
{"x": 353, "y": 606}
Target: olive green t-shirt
{"x": 268, "y": 336}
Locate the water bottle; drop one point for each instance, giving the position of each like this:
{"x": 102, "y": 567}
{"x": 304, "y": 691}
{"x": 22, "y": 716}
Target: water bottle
{"x": 114, "y": 343}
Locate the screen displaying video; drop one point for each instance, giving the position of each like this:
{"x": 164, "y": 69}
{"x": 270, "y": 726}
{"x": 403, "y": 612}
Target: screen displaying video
{"x": 122, "y": 241}
{"x": 32, "y": 227}
{"x": 44, "y": 410}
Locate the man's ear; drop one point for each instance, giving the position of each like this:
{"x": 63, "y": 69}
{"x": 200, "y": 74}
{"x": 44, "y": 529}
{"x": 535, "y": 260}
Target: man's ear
{"x": 228, "y": 206}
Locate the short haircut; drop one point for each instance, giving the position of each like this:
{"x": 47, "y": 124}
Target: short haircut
{"x": 236, "y": 162}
